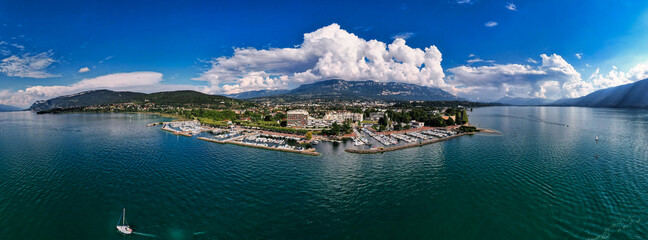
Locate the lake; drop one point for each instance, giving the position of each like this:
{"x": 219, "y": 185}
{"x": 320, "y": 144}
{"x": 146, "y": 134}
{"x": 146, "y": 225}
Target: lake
{"x": 68, "y": 176}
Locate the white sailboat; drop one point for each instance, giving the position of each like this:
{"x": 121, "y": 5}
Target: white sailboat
{"x": 124, "y": 228}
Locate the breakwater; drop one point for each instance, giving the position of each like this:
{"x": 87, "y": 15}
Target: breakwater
{"x": 310, "y": 152}
{"x": 394, "y": 148}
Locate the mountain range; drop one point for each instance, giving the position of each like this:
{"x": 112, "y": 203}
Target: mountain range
{"x": 257, "y": 94}
{"x": 633, "y": 95}
{"x": 329, "y": 89}
{"x": 519, "y": 101}
{"x": 83, "y": 99}
{"x": 353, "y": 90}
{"x": 7, "y": 108}
{"x": 105, "y": 97}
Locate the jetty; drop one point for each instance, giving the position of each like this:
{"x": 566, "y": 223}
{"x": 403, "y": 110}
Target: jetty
{"x": 394, "y": 148}
{"x": 310, "y": 152}
{"x": 154, "y": 124}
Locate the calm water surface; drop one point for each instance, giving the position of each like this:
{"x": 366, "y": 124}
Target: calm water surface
{"x": 68, "y": 177}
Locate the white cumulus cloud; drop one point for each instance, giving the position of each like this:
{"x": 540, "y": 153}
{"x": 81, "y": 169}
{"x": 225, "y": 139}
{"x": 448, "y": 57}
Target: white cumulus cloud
{"x": 327, "y": 53}
{"x": 511, "y": 6}
{"x": 554, "y": 78}
{"x": 579, "y": 55}
{"x": 28, "y": 65}
{"x": 616, "y": 77}
{"x": 490, "y": 24}
{"x": 84, "y": 69}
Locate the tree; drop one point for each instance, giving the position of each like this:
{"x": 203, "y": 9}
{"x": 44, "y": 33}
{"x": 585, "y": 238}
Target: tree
{"x": 346, "y": 127}
{"x": 382, "y": 121}
{"x": 283, "y": 123}
{"x": 335, "y": 128}
{"x": 450, "y": 122}
{"x": 464, "y": 118}
{"x": 279, "y": 116}
{"x": 434, "y": 122}
{"x": 267, "y": 118}
{"x": 309, "y": 136}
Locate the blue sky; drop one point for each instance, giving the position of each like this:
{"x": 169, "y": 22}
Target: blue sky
{"x": 483, "y": 50}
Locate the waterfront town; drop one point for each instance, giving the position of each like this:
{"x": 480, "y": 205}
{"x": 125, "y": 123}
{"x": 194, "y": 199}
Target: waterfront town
{"x": 298, "y": 130}
{"x": 367, "y": 126}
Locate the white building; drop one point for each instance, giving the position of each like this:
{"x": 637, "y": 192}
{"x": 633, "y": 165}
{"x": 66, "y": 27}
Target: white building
{"x": 297, "y": 118}
{"x": 416, "y": 124}
{"x": 340, "y": 117}
{"x": 375, "y": 116}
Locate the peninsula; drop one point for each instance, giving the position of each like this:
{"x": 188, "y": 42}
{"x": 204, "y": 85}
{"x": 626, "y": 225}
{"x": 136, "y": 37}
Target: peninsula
{"x": 297, "y": 120}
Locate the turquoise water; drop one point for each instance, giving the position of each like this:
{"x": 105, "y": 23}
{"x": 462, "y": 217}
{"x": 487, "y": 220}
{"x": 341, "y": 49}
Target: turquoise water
{"x": 68, "y": 177}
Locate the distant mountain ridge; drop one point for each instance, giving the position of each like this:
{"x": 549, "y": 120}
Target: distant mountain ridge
{"x": 84, "y": 99}
{"x": 363, "y": 90}
{"x": 106, "y": 97}
{"x": 7, "y": 108}
{"x": 518, "y": 101}
{"x": 633, "y": 95}
{"x": 257, "y": 94}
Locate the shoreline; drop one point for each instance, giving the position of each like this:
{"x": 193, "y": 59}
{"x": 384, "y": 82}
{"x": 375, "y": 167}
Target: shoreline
{"x": 312, "y": 151}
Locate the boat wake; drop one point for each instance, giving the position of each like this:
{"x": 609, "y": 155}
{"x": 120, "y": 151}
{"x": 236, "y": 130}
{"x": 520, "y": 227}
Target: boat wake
{"x": 145, "y": 234}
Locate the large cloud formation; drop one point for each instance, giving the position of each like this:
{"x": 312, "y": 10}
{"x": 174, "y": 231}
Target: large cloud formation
{"x": 329, "y": 52}
{"x": 616, "y": 77}
{"x": 554, "y": 78}
{"x": 132, "y": 81}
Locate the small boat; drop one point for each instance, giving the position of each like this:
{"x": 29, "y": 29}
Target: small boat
{"x": 124, "y": 227}
{"x": 596, "y": 139}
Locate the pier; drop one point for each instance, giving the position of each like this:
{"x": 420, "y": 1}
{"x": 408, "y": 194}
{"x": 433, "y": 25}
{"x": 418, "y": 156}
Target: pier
{"x": 394, "y": 148}
{"x": 310, "y": 152}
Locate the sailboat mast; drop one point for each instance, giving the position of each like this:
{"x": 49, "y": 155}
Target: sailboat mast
{"x": 124, "y": 219}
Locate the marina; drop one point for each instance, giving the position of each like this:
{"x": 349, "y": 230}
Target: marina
{"x": 241, "y": 136}
{"x": 391, "y": 141}
{"x": 365, "y": 140}
{"x": 394, "y": 148}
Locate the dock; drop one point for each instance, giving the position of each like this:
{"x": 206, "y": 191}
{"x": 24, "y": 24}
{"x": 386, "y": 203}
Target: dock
{"x": 310, "y": 152}
{"x": 186, "y": 134}
{"x": 394, "y": 148}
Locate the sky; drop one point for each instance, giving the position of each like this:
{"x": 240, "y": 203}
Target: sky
{"x": 477, "y": 49}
